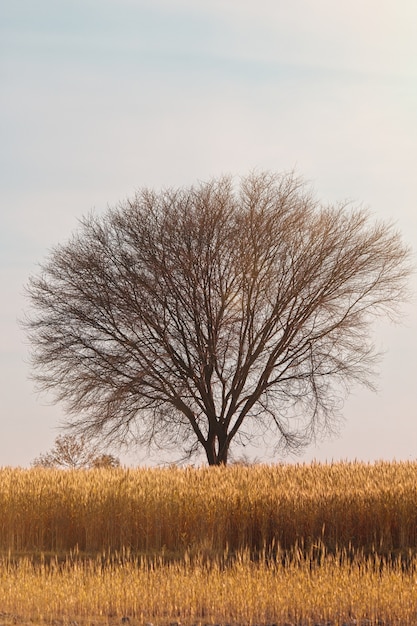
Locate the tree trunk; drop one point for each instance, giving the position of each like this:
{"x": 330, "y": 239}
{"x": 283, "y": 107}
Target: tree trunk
{"x": 217, "y": 455}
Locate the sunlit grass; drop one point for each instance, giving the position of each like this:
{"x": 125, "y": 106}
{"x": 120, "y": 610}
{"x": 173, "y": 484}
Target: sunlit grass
{"x": 147, "y": 510}
{"x": 305, "y": 544}
{"x": 340, "y": 590}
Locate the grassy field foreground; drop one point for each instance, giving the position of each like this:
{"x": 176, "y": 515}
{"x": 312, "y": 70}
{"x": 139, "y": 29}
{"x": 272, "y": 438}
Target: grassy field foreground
{"x": 304, "y": 544}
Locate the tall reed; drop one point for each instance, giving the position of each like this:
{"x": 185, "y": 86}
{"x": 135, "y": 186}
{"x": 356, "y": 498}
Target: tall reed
{"x": 147, "y": 511}
{"x": 197, "y": 591}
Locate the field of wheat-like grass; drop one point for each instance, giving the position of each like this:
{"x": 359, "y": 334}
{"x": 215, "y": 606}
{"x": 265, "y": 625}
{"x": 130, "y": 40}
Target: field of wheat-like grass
{"x": 285, "y": 544}
{"x": 340, "y": 590}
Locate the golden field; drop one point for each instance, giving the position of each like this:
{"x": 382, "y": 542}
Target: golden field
{"x": 285, "y": 544}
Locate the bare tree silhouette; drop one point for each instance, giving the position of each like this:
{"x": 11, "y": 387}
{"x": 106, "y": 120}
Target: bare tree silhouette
{"x": 189, "y": 317}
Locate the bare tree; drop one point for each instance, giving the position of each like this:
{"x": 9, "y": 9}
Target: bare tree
{"x": 196, "y": 317}
{"x": 68, "y": 451}
{"x": 73, "y": 452}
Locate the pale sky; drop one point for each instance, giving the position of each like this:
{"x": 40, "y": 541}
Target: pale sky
{"x": 100, "y": 98}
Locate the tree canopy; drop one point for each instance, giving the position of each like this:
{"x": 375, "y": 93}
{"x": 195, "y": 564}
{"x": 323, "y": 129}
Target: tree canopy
{"x": 195, "y": 317}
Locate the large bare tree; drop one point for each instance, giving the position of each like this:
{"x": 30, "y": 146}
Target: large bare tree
{"x": 200, "y": 316}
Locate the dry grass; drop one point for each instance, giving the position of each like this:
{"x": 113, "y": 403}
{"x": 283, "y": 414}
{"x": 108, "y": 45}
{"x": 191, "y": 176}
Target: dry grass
{"x": 212, "y": 545}
{"x": 209, "y": 509}
{"x": 197, "y": 591}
